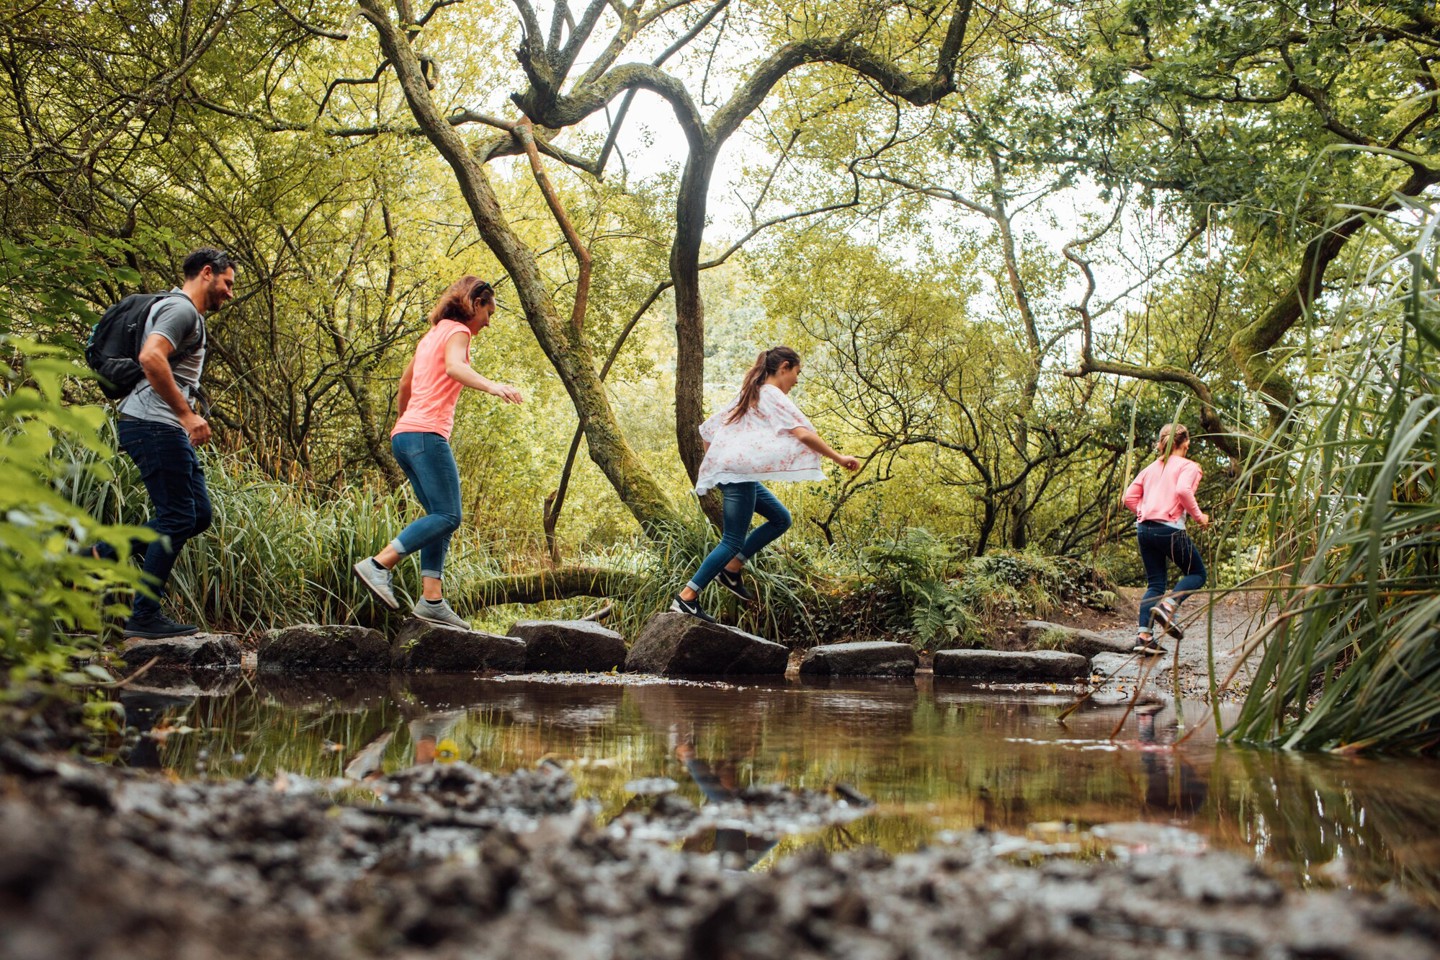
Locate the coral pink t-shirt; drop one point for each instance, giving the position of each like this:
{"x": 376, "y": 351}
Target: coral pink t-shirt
{"x": 1165, "y": 491}
{"x": 433, "y": 392}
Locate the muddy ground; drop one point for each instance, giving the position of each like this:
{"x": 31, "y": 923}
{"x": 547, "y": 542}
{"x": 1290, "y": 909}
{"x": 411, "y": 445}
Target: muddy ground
{"x": 450, "y": 861}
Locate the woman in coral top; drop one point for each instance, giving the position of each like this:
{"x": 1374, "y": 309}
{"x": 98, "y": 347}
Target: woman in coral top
{"x": 1161, "y": 496}
{"x": 760, "y": 435}
{"x": 429, "y": 390}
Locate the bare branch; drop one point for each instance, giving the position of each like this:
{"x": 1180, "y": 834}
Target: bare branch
{"x": 525, "y": 135}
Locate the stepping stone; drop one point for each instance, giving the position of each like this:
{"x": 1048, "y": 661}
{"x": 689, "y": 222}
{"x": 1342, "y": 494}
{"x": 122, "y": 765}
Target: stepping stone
{"x": 199, "y": 651}
{"x": 323, "y": 647}
{"x": 562, "y": 646}
{"x": 1043, "y": 635}
{"x": 676, "y": 644}
{"x": 423, "y": 646}
{"x": 1008, "y": 666}
{"x": 876, "y": 658}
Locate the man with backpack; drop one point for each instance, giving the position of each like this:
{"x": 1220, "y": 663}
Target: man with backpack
{"x": 159, "y": 427}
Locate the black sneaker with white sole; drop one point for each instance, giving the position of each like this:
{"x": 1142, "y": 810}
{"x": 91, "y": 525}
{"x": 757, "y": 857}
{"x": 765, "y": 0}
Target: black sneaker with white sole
{"x": 730, "y": 580}
{"x": 691, "y": 607}
{"x": 1147, "y": 646}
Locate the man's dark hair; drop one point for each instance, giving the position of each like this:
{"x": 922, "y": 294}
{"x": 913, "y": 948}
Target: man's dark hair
{"x": 217, "y": 260}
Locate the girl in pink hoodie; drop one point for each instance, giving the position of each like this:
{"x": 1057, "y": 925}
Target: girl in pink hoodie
{"x": 1161, "y": 496}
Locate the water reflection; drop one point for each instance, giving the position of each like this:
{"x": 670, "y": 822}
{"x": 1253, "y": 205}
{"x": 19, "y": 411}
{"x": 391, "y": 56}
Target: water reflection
{"x": 737, "y": 849}
{"x": 935, "y": 756}
{"x": 1172, "y": 784}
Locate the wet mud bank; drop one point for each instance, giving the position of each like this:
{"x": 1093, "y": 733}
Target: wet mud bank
{"x": 450, "y": 861}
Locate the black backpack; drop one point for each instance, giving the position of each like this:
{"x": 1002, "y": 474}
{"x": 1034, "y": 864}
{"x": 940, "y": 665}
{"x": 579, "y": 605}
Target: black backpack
{"x": 114, "y": 348}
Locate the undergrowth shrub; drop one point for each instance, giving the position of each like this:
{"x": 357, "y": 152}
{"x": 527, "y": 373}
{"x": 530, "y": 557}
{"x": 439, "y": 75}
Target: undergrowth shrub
{"x": 917, "y": 587}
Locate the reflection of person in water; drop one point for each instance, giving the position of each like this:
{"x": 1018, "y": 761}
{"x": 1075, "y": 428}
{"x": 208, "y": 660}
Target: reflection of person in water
{"x": 737, "y": 849}
{"x": 144, "y": 711}
{"x": 431, "y": 737}
{"x": 1171, "y": 782}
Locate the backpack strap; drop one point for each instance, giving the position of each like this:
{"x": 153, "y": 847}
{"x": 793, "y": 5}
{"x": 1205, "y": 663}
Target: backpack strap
{"x": 180, "y": 353}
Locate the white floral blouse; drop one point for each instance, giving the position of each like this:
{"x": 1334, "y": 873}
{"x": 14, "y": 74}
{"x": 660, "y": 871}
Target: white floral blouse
{"x": 759, "y": 446}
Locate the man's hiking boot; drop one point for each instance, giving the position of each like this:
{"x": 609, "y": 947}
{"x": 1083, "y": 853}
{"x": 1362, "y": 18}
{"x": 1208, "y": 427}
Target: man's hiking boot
{"x": 1162, "y": 615}
{"x": 377, "y": 578}
{"x": 438, "y": 612}
{"x": 691, "y": 607}
{"x": 157, "y": 626}
{"x": 730, "y": 580}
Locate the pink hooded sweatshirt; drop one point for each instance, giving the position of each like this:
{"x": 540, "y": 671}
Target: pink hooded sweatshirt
{"x": 1165, "y": 491}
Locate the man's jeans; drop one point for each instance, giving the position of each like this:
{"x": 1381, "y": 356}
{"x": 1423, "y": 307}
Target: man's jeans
{"x": 428, "y": 462}
{"x": 176, "y": 485}
{"x": 1161, "y": 543}
{"x": 742, "y": 501}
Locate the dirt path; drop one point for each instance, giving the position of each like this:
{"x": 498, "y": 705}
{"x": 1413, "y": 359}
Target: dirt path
{"x": 1213, "y": 625}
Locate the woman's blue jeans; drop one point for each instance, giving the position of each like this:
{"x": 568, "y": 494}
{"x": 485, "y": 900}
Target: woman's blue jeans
{"x": 1161, "y": 543}
{"x": 742, "y": 501}
{"x": 430, "y": 466}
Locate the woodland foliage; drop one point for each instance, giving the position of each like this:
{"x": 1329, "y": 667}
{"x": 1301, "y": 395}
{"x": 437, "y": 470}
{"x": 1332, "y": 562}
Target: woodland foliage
{"x": 1010, "y": 241}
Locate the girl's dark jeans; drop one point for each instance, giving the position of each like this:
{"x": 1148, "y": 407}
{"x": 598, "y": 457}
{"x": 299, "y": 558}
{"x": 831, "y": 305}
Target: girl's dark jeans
{"x": 742, "y": 501}
{"x": 1161, "y": 544}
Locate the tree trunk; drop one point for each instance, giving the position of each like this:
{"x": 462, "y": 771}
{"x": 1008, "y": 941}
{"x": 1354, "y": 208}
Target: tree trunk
{"x": 567, "y": 350}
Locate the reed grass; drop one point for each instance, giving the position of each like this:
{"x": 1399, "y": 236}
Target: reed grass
{"x": 1348, "y": 513}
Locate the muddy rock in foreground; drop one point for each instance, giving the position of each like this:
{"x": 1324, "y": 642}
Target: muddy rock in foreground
{"x": 464, "y": 863}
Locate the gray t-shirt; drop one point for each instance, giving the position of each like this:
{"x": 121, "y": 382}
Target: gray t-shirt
{"x": 177, "y": 320}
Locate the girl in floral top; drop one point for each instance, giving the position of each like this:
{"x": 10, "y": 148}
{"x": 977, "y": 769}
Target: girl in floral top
{"x": 760, "y": 435}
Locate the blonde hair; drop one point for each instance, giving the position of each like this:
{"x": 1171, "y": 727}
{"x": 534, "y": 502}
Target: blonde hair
{"x": 1172, "y": 436}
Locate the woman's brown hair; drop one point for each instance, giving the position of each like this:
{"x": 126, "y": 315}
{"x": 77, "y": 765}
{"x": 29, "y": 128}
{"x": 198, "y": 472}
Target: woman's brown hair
{"x": 767, "y": 364}
{"x": 460, "y": 299}
{"x": 1172, "y": 436}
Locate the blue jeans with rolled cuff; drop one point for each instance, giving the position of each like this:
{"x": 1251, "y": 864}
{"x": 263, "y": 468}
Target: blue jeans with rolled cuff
{"x": 430, "y": 466}
{"x": 171, "y": 471}
{"x": 1160, "y": 544}
{"x": 742, "y": 501}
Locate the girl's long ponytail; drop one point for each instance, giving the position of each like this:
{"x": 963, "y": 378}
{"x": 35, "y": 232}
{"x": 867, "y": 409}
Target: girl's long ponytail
{"x": 765, "y": 365}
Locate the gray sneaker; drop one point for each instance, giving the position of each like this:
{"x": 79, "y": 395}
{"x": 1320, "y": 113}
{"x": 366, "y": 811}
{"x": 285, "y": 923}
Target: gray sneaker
{"x": 438, "y": 611}
{"x": 377, "y": 578}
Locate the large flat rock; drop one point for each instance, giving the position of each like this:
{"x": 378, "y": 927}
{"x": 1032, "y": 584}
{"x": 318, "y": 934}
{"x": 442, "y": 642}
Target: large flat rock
{"x": 1041, "y": 634}
{"x": 1008, "y": 666}
{"x": 323, "y": 647}
{"x": 875, "y": 658}
{"x": 421, "y": 646}
{"x": 675, "y": 644}
{"x": 199, "y": 651}
{"x": 562, "y": 646}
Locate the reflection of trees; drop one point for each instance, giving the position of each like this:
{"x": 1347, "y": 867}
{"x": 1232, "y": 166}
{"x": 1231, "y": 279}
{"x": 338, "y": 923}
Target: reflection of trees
{"x": 943, "y": 760}
{"x": 1360, "y": 823}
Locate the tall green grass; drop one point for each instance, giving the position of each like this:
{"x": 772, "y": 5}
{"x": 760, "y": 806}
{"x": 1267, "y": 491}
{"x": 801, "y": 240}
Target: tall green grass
{"x": 277, "y": 553}
{"x": 1347, "y": 510}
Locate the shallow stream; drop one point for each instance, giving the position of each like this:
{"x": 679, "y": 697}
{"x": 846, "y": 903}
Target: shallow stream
{"x": 932, "y": 756}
